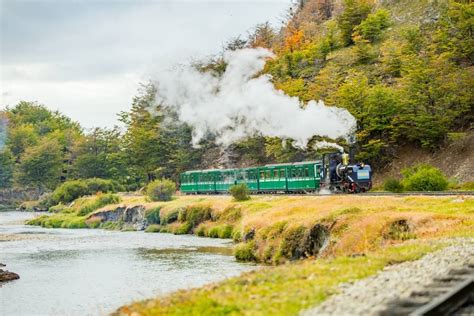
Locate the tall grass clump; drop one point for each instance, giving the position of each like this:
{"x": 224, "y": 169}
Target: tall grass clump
{"x": 100, "y": 201}
{"x": 393, "y": 185}
{"x": 153, "y": 216}
{"x": 424, "y": 178}
{"x": 161, "y": 190}
{"x": 240, "y": 192}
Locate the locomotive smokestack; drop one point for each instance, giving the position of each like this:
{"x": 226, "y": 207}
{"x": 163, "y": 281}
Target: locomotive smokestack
{"x": 352, "y": 141}
{"x": 352, "y": 154}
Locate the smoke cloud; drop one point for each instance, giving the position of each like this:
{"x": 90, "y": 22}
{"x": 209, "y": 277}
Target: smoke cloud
{"x": 324, "y": 144}
{"x": 241, "y": 103}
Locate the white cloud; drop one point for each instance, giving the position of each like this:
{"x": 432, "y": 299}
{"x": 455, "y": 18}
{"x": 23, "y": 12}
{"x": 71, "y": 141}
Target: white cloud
{"x": 85, "y": 58}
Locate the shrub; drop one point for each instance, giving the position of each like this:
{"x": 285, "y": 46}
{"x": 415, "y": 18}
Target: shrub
{"x": 95, "y": 185}
{"x": 291, "y": 243}
{"x": 71, "y": 190}
{"x": 230, "y": 214}
{"x": 237, "y": 236}
{"x": 240, "y": 192}
{"x": 161, "y": 190}
{"x": 154, "y": 228}
{"x": 100, "y": 201}
{"x": 424, "y": 178}
{"x": 371, "y": 28}
{"x": 213, "y": 232}
{"x": 245, "y": 251}
{"x": 195, "y": 215}
{"x": 183, "y": 229}
{"x": 225, "y": 231}
{"x": 201, "y": 231}
{"x": 170, "y": 217}
{"x": 153, "y": 216}
{"x": 393, "y": 185}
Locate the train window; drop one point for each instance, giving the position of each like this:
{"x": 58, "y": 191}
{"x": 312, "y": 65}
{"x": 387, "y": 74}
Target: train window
{"x": 282, "y": 173}
{"x": 275, "y": 173}
{"x": 306, "y": 172}
{"x": 262, "y": 175}
{"x": 268, "y": 175}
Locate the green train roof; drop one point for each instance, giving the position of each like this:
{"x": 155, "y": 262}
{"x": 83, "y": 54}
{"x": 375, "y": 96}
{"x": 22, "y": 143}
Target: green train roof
{"x": 247, "y": 168}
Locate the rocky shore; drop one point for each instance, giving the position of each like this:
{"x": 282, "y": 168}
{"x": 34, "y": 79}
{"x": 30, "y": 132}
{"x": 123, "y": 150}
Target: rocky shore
{"x": 370, "y": 296}
{"x": 7, "y": 275}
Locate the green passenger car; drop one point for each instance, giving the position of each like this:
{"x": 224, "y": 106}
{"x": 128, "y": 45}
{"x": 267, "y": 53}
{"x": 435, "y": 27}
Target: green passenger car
{"x": 290, "y": 177}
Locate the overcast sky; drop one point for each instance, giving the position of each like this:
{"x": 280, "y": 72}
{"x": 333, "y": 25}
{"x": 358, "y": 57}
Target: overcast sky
{"x": 86, "y": 57}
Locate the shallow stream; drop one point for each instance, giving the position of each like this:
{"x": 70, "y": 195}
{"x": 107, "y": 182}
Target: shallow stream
{"x": 93, "y": 272}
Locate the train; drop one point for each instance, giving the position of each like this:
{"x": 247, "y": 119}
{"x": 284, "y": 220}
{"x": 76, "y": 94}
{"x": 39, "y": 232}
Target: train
{"x": 336, "y": 172}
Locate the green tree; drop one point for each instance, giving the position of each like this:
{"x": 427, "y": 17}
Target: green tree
{"x": 454, "y": 33}
{"x": 355, "y": 11}
{"x": 41, "y": 165}
{"x": 371, "y": 28}
{"x": 20, "y": 138}
{"x": 6, "y": 168}
{"x": 100, "y": 154}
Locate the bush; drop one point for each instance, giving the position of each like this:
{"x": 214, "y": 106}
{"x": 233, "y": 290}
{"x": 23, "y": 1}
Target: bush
{"x": 100, "y": 201}
{"x": 195, "y": 215}
{"x": 183, "y": 229}
{"x": 424, "y": 178}
{"x": 291, "y": 243}
{"x": 170, "y": 217}
{"x": 153, "y": 216}
{"x": 245, "y": 251}
{"x": 237, "y": 236}
{"x": 230, "y": 214}
{"x": 240, "y": 192}
{"x": 161, "y": 190}
{"x": 154, "y": 228}
{"x": 95, "y": 185}
{"x": 371, "y": 28}
{"x": 71, "y": 190}
{"x": 393, "y": 185}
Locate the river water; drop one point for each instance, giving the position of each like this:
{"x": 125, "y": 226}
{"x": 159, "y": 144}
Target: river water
{"x": 93, "y": 271}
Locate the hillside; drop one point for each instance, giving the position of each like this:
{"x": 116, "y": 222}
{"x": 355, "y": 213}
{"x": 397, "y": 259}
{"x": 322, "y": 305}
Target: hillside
{"x": 403, "y": 69}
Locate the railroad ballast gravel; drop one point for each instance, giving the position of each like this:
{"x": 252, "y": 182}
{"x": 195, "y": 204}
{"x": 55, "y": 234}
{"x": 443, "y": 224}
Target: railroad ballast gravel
{"x": 371, "y": 295}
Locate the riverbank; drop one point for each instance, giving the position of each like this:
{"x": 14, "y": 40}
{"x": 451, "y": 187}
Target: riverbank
{"x": 275, "y": 229}
{"x": 352, "y": 237}
{"x": 95, "y": 271}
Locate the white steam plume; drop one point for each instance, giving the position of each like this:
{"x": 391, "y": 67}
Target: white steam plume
{"x": 240, "y": 104}
{"x": 324, "y": 144}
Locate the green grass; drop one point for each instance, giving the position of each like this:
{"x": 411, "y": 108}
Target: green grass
{"x": 281, "y": 290}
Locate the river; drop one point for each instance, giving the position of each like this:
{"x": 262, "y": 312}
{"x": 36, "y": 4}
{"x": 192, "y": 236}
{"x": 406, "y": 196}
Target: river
{"x": 93, "y": 271}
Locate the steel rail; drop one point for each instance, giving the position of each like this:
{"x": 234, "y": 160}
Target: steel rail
{"x": 449, "y": 302}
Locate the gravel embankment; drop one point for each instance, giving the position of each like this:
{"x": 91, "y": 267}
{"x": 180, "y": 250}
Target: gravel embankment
{"x": 370, "y": 296}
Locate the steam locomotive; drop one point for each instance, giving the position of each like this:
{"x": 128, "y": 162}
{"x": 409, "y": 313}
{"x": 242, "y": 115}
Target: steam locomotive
{"x": 336, "y": 171}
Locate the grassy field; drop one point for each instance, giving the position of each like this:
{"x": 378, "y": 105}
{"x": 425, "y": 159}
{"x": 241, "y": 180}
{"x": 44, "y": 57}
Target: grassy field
{"x": 280, "y": 290}
{"x": 365, "y": 236}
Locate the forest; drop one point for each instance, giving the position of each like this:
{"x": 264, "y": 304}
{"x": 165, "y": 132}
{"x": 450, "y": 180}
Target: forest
{"x": 403, "y": 69}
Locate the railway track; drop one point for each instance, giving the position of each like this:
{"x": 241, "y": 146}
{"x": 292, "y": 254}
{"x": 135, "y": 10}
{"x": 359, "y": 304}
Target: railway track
{"x": 450, "y": 295}
{"x": 427, "y": 193}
